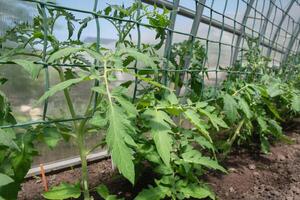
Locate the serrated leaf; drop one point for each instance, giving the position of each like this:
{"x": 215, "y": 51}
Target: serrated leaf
{"x": 195, "y": 157}
{"x": 118, "y": 131}
{"x": 272, "y": 108}
{"x": 7, "y": 139}
{"x": 230, "y": 108}
{"x": 245, "y": 108}
{"x": 147, "y": 60}
{"x": 264, "y": 144}
{"x": 97, "y": 120}
{"x": 204, "y": 143}
{"x": 63, "y": 191}
{"x": 149, "y": 80}
{"x": 193, "y": 117}
{"x": 274, "y": 90}
{"x": 153, "y": 193}
{"x": 103, "y": 191}
{"x": 202, "y": 104}
{"x": 51, "y": 136}
{"x": 196, "y": 191}
{"x": 60, "y": 87}
{"x": 63, "y": 53}
{"x": 262, "y": 124}
{"x": 159, "y": 123}
{"x": 100, "y": 89}
{"x": 296, "y": 103}
{"x": 32, "y": 68}
{"x": 214, "y": 119}
{"x": 171, "y": 97}
{"x": 5, "y": 180}
{"x": 127, "y": 105}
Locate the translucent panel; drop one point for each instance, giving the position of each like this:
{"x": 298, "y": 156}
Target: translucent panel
{"x": 22, "y": 92}
{"x": 222, "y": 31}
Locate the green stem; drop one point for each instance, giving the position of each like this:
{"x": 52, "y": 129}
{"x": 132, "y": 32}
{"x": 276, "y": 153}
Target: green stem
{"x": 237, "y": 132}
{"x": 80, "y": 140}
{"x": 84, "y": 169}
{"x": 68, "y": 98}
{"x": 241, "y": 89}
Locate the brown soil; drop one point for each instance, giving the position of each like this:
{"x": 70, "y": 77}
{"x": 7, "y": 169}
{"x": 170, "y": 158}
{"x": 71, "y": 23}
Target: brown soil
{"x": 275, "y": 176}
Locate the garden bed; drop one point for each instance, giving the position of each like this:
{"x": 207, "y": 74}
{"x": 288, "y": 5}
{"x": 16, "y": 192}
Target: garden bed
{"x": 251, "y": 176}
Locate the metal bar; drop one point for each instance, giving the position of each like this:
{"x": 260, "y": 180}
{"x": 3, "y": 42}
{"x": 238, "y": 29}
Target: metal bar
{"x": 45, "y": 45}
{"x": 234, "y": 34}
{"x": 265, "y": 24}
{"x": 98, "y": 50}
{"x": 291, "y": 43}
{"x": 170, "y": 37}
{"x": 242, "y": 30}
{"x": 191, "y": 14}
{"x": 193, "y": 33}
{"x": 279, "y": 25}
{"x": 220, "y": 48}
{"x": 186, "y": 12}
{"x": 138, "y": 47}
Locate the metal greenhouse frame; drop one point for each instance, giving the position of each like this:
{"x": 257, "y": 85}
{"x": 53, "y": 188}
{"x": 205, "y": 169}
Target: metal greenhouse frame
{"x": 276, "y": 36}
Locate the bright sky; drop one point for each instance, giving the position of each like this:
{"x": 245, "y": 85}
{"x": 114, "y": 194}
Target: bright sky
{"x": 107, "y": 31}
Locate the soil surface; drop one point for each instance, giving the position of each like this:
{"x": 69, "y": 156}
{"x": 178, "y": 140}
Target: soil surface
{"x": 251, "y": 176}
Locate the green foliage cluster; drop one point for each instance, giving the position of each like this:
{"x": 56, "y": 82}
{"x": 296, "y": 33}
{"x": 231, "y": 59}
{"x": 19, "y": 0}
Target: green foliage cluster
{"x": 154, "y": 131}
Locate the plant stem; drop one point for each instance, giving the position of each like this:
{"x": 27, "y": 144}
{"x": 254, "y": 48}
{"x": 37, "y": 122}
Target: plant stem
{"x": 237, "y": 132}
{"x": 238, "y": 91}
{"x": 80, "y": 141}
{"x": 108, "y": 94}
{"x": 68, "y": 98}
{"x": 84, "y": 169}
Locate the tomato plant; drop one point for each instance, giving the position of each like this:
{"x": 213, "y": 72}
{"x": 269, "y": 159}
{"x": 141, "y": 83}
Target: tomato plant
{"x": 175, "y": 136}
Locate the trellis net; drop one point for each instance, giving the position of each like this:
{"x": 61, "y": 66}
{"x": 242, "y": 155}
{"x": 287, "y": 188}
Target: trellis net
{"x": 218, "y": 30}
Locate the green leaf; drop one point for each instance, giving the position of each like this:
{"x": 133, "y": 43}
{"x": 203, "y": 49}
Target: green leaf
{"x": 51, "y": 136}
{"x": 202, "y": 104}
{"x": 32, "y": 68}
{"x": 127, "y": 105}
{"x": 272, "y": 108}
{"x": 97, "y": 120}
{"x": 262, "y": 124}
{"x": 59, "y": 87}
{"x": 120, "y": 130}
{"x": 63, "y": 191}
{"x": 159, "y": 122}
{"x": 103, "y": 191}
{"x": 5, "y": 180}
{"x": 7, "y": 139}
{"x": 195, "y": 157}
{"x": 63, "y": 53}
{"x": 171, "y": 97}
{"x": 214, "y": 119}
{"x": 245, "y": 107}
{"x": 274, "y": 90}
{"x": 204, "y": 143}
{"x": 146, "y": 59}
{"x": 153, "y": 193}
{"x": 196, "y": 191}
{"x": 230, "y": 108}
{"x": 296, "y": 103}
{"x": 149, "y": 80}
{"x": 193, "y": 117}
{"x": 264, "y": 144}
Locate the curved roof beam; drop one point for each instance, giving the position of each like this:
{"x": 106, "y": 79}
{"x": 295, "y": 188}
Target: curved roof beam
{"x": 242, "y": 30}
{"x": 265, "y": 24}
{"x": 292, "y": 42}
{"x": 279, "y": 26}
